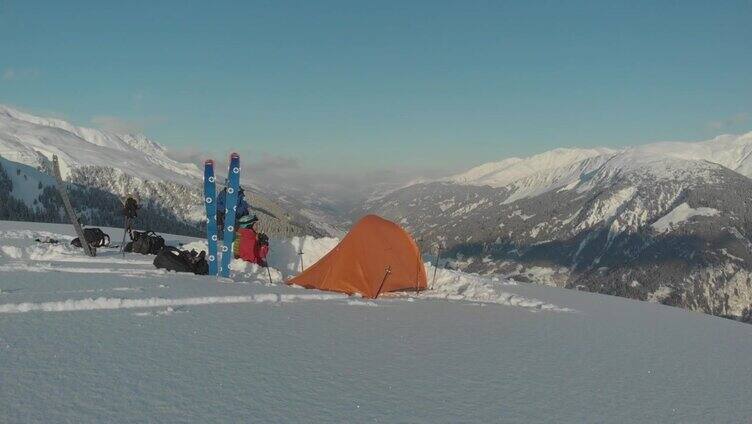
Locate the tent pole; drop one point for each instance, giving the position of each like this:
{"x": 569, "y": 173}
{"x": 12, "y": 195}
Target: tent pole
{"x": 436, "y": 265}
{"x": 387, "y": 271}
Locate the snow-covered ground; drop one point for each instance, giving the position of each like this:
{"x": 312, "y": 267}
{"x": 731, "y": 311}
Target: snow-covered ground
{"x": 113, "y": 339}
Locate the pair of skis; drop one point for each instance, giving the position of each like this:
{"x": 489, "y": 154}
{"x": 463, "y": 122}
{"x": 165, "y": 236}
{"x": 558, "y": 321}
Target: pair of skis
{"x": 60, "y": 184}
{"x": 231, "y": 202}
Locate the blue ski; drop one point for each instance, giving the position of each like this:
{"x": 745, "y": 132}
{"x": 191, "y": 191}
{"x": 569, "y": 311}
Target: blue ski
{"x": 231, "y": 205}
{"x": 210, "y": 191}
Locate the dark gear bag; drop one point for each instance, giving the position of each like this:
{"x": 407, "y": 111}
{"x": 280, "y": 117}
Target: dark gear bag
{"x": 145, "y": 243}
{"x": 130, "y": 208}
{"x": 174, "y": 259}
{"x": 95, "y": 236}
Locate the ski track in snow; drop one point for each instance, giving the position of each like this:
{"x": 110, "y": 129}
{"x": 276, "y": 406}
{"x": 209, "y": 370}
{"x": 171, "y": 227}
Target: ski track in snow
{"x": 65, "y": 253}
{"x": 30, "y": 234}
{"x": 102, "y": 290}
{"x": 108, "y": 303}
{"x": 356, "y": 302}
{"x": 43, "y": 268}
{"x": 111, "y": 303}
{"x": 449, "y": 285}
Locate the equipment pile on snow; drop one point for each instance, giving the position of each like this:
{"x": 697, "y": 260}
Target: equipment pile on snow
{"x": 145, "y": 243}
{"x": 376, "y": 256}
{"x": 94, "y": 236}
{"x": 174, "y": 259}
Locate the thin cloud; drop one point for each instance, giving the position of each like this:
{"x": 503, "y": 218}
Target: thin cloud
{"x": 116, "y": 125}
{"x": 39, "y": 112}
{"x": 288, "y": 175}
{"x": 125, "y": 126}
{"x": 731, "y": 121}
{"x": 138, "y": 99}
{"x": 15, "y": 74}
{"x": 187, "y": 155}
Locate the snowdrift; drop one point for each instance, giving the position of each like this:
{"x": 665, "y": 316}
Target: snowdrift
{"x": 287, "y": 258}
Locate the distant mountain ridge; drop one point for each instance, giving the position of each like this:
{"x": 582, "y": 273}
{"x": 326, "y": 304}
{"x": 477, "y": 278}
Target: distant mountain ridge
{"x": 666, "y": 222}
{"x": 29, "y": 139}
{"x": 564, "y": 166}
{"x": 125, "y": 163}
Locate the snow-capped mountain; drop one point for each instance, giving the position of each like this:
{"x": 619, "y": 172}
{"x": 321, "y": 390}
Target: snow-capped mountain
{"x": 33, "y": 140}
{"x": 667, "y": 222}
{"x": 561, "y": 167}
{"x": 118, "y": 164}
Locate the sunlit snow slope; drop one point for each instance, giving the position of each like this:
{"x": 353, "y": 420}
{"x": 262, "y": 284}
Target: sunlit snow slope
{"x": 112, "y": 339}
{"x": 560, "y": 167}
{"x": 33, "y": 140}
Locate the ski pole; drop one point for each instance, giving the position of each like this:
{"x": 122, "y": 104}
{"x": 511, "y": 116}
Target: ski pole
{"x": 268, "y": 271}
{"x": 125, "y": 231}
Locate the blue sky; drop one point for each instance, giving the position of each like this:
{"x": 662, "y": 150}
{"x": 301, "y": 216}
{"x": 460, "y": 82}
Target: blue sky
{"x": 349, "y": 86}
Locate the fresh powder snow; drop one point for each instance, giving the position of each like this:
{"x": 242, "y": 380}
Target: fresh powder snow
{"x": 112, "y": 339}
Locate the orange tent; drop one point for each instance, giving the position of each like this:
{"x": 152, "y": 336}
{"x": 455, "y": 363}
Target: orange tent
{"x": 376, "y": 256}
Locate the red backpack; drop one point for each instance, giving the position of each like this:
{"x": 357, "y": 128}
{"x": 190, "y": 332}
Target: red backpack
{"x": 252, "y": 247}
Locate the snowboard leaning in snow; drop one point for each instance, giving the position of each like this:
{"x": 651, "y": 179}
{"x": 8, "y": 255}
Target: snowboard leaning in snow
{"x": 210, "y": 191}
{"x": 231, "y": 205}
{"x": 69, "y": 208}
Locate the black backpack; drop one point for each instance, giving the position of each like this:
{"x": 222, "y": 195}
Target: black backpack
{"x": 95, "y": 236}
{"x": 130, "y": 208}
{"x": 174, "y": 259}
{"x": 145, "y": 243}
